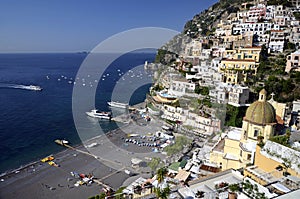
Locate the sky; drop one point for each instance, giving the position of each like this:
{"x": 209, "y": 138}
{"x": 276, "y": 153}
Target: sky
{"x": 79, "y": 25}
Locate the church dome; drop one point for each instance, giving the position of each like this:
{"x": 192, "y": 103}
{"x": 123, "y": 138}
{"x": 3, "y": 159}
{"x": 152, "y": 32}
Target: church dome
{"x": 261, "y": 112}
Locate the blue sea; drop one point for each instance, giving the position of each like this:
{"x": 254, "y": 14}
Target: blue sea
{"x": 30, "y": 121}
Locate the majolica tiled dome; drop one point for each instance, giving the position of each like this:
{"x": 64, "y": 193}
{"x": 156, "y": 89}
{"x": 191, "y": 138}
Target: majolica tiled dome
{"x": 261, "y": 111}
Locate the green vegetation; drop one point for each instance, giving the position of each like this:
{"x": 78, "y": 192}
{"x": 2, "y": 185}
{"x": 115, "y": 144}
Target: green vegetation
{"x": 180, "y": 143}
{"x": 193, "y": 104}
{"x": 161, "y": 173}
{"x": 297, "y": 15}
{"x": 176, "y": 103}
{"x": 161, "y": 56}
{"x": 252, "y": 190}
{"x": 282, "y": 139}
{"x": 271, "y": 73}
{"x": 192, "y": 27}
{"x": 284, "y": 89}
{"x": 274, "y": 65}
{"x": 154, "y": 163}
{"x": 158, "y": 87}
{"x": 285, "y": 3}
{"x": 205, "y": 102}
{"x": 162, "y": 193}
{"x": 150, "y": 105}
{"x": 234, "y": 115}
{"x": 290, "y": 46}
{"x": 286, "y": 164}
{"x": 101, "y": 196}
{"x": 118, "y": 194}
{"x": 202, "y": 90}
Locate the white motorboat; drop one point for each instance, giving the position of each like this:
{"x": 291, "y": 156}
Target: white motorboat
{"x": 117, "y": 104}
{"x": 99, "y": 114}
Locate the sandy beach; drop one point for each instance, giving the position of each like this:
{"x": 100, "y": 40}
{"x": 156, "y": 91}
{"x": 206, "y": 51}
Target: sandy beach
{"x": 106, "y": 161}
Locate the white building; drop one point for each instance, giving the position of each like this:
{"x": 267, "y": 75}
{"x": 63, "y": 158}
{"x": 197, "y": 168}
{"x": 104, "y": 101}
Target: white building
{"x": 174, "y": 113}
{"x": 234, "y": 95}
{"x": 218, "y": 94}
{"x": 181, "y": 87}
{"x": 193, "y": 48}
{"x": 204, "y": 123}
{"x": 270, "y": 12}
{"x": 208, "y": 185}
{"x": 238, "y": 96}
{"x": 276, "y": 41}
{"x": 256, "y": 28}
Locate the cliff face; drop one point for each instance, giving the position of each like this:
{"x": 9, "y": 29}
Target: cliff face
{"x": 202, "y": 24}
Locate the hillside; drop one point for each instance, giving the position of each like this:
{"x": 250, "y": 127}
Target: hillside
{"x": 271, "y": 73}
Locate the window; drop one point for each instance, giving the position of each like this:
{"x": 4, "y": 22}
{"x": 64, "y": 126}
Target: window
{"x": 241, "y": 153}
{"x": 256, "y": 131}
{"x": 249, "y": 157}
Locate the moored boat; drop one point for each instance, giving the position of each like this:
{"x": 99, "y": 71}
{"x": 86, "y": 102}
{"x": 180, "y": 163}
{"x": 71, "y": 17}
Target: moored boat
{"x": 118, "y": 104}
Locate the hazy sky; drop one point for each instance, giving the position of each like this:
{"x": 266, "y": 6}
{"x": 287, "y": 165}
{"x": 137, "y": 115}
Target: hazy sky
{"x": 77, "y": 25}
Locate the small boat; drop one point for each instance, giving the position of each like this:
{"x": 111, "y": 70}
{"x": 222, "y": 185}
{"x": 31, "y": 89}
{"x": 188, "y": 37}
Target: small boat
{"x": 34, "y": 88}
{"x": 61, "y": 142}
{"x": 46, "y": 159}
{"x": 117, "y": 104}
{"x": 99, "y": 114}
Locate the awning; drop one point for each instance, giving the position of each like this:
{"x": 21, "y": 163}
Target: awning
{"x": 281, "y": 187}
{"x": 182, "y": 175}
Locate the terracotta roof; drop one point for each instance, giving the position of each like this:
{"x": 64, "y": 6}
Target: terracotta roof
{"x": 276, "y": 30}
{"x": 209, "y": 168}
{"x": 279, "y": 120}
{"x": 220, "y": 146}
{"x": 239, "y": 60}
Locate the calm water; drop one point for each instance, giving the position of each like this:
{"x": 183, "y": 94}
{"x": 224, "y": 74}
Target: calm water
{"x": 30, "y": 121}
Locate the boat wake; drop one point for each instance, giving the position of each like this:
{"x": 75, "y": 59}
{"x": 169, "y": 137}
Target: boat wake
{"x": 19, "y": 86}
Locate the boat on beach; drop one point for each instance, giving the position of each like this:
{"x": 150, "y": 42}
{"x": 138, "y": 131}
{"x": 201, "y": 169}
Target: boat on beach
{"x": 118, "y": 104}
{"x": 99, "y": 114}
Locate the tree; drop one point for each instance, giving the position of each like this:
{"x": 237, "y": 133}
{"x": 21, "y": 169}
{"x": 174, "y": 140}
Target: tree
{"x": 202, "y": 90}
{"x": 286, "y": 164}
{"x": 153, "y": 164}
{"x": 161, "y": 174}
{"x": 162, "y": 193}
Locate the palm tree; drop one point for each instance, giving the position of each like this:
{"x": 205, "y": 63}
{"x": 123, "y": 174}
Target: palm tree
{"x": 160, "y": 175}
{"x": 162, "y": 193}
{"x": 163, "y": 190}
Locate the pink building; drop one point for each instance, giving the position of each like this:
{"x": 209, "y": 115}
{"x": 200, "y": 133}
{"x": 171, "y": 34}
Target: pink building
{"x": 292, "y": 62}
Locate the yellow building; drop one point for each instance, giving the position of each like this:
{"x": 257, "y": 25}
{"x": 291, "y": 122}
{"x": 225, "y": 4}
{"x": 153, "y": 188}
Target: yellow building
{"x": 271, "y": 161}
{"x": 236, "y": 70}
{"x": 279, "y": 107}
{"x": 246, "y": 53}
{"x": 237, "y": 148}
{"x": 251, "y": 53}
{"x": 239, "y": 63}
